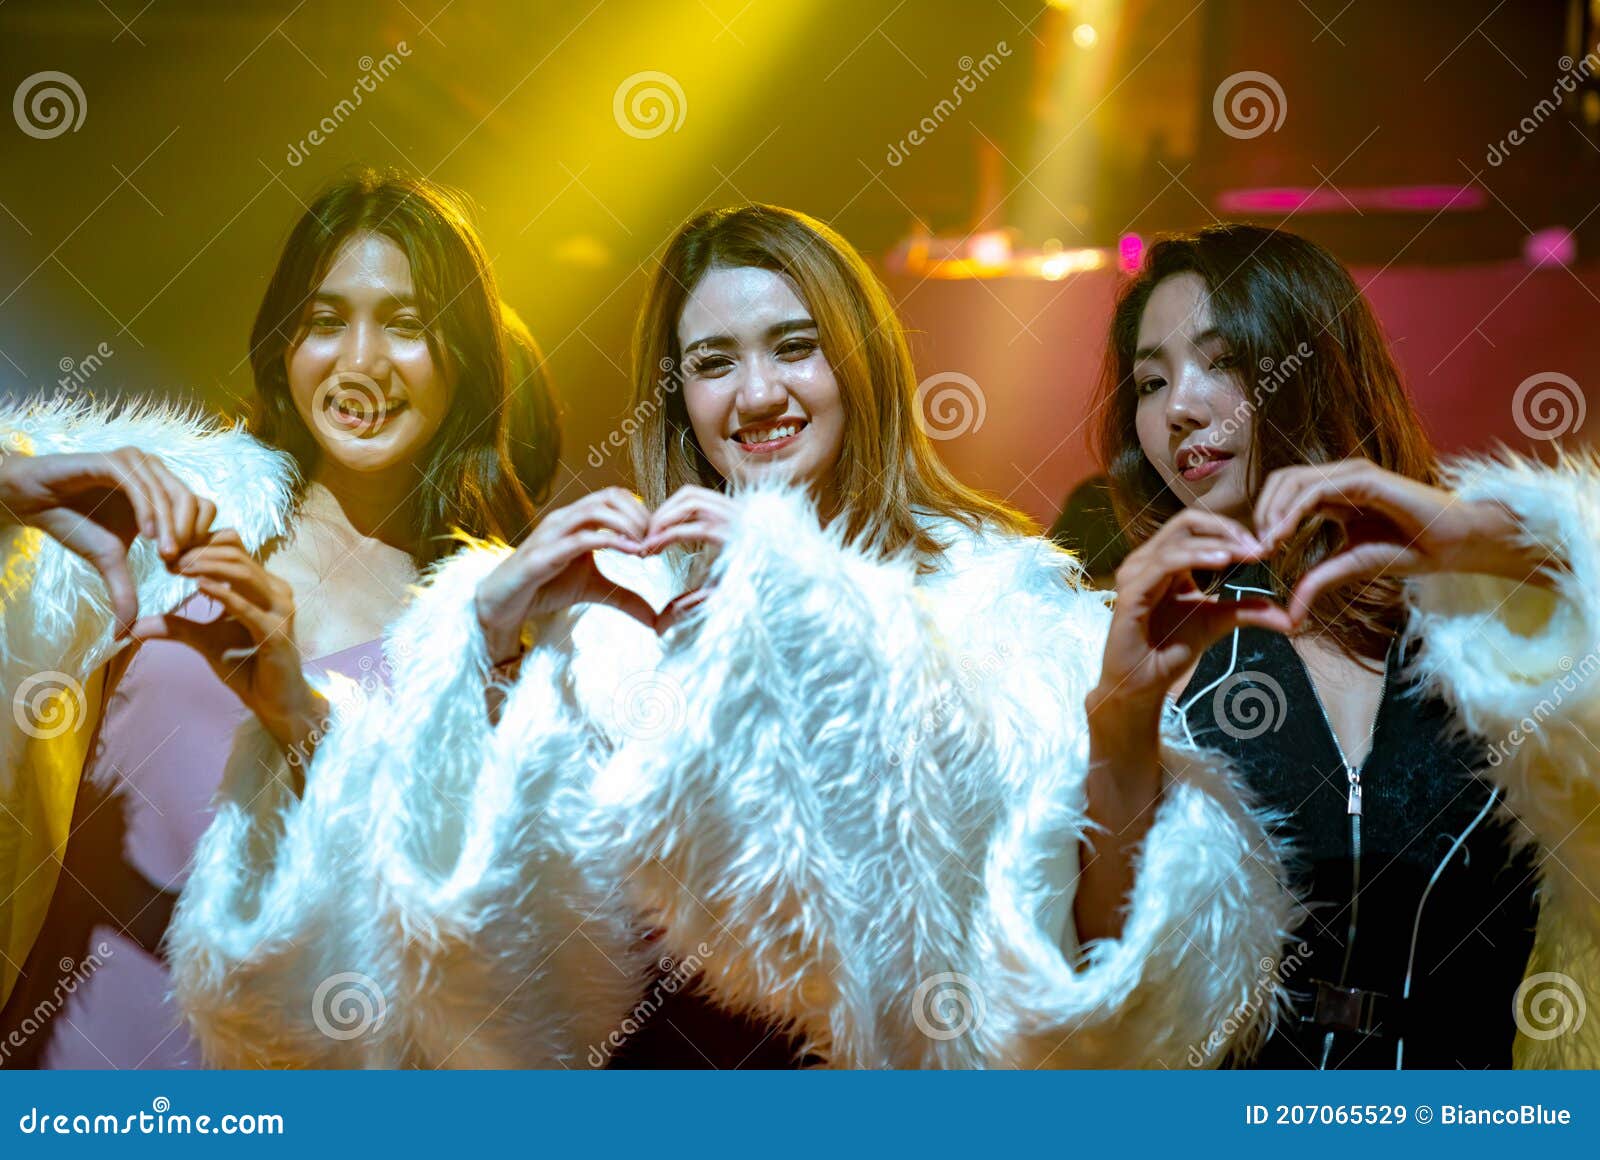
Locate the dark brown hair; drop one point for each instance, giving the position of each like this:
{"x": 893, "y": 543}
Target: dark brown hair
{"x": 466, "y": 478}
{"x": 887, "y": 467}
{"x": 533, "y": 434}
{"x": 1317, "y": 374}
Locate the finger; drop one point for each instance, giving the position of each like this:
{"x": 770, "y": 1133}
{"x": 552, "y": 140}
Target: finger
{"x": 680, "y": 608}
{"x": 1296, "y": 499}
{"x": 110, "y": 558}
{"x": 551, "y": 560}
{"x": 119, "y": 473}
{"x": 256, "y": 621}
{"x": 240, "y": 572}
{"x": 1213, "y": 526}
{"x": 1256, "y": 612}
{"x": 1340, "y": 488}
{"x": 690, "y": 502}
{"x": 1209, "y": 623}
{"x": 181, "y": 629}
{"x": 1171, "y": 570}
{"x": 140, "y": 475}
{"x": 623, "y": 600}
{"x": 183, "y": 503}
{"x": 206, "y": 516}
{"x": 226, "y": 537}
{"x": 695, "y": 532}
{"x": 1203, "y": 551}
{"x": 1364, "y": 562}
{"x": 104, "y": 550}
{"x": 591, "y": 517}
{"x": 630, "y": 509}
{"x": 1267, "y": 502}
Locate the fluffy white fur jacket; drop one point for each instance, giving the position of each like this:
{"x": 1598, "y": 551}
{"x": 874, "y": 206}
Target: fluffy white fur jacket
{"x": 851, "y": 793}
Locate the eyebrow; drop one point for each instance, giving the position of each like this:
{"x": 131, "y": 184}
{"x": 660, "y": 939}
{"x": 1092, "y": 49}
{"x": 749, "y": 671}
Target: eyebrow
{"x": 776, "y": 330}
{"x": 341, "y": 300}
{"x": 1209, "y": 334}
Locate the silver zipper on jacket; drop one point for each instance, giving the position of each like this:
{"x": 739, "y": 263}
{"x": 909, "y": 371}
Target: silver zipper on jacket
{"x": 1353, "y": 809}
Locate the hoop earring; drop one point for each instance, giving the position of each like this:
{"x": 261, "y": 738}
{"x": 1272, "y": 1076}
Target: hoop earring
{"x": 691, "y": 456}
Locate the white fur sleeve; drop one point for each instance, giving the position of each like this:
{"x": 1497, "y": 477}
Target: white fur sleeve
{"x": 865, "y": 821}
{"x": 517, "y": 949}
{"x": 427, "y": 903}
{"x": 280, "y": 948}
{"x": 278, "y": 959}
{"x": 1521, "y": 664}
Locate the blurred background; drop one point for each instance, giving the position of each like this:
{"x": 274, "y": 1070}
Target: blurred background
{"x": 1003, "y": 162}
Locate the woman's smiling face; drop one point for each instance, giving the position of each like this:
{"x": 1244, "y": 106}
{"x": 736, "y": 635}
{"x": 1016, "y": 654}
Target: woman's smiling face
{"x": 761, "y": 395}
{"x": 1195, "y": 424}
{"x": 362, "y": 373}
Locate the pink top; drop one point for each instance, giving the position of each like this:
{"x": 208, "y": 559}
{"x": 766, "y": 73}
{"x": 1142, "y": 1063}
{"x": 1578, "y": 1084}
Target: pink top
{"x": 94, "y": 993}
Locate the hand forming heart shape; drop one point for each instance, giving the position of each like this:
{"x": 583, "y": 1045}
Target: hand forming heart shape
{"x": 554, "y": 568}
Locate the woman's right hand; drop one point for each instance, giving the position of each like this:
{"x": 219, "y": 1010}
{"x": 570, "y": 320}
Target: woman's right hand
{"x": 1162, "y": 623}
{"x": 94, "y": 503}
{"x": 554, "y": 568}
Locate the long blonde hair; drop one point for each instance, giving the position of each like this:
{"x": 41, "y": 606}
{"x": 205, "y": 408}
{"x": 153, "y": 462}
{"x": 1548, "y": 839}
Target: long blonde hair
{"x": 887, "y": 469}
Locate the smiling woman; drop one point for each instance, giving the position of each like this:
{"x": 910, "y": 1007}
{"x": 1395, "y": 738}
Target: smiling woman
{"x": 261, "y": 562}
{"x": 1266, "y": 611}
{"x": 379, "y": 359}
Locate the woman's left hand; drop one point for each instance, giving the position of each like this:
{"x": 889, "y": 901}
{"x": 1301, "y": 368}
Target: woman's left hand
{"x": 1393, "y": 526}
{"x": 692, "y": 515}
{"x": 251, "y": 647}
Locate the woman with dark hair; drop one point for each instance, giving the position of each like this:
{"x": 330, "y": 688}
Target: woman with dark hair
{"x": 810, "y": 708}
{"x": 261, "y": 562}
{"x": 1269, "y": 465}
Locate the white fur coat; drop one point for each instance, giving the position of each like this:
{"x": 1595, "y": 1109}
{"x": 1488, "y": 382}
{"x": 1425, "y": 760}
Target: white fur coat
{"x": 853, "y": 795}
